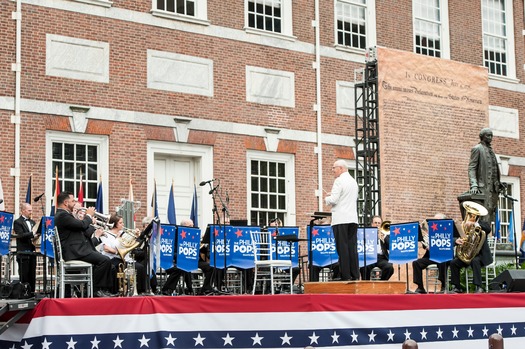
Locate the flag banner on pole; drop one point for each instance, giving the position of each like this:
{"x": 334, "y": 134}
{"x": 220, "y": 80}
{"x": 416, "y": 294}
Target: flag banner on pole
{"x": 154, "y": 204}
{"x": 167, "y": 243}
{"x": 172, "y": 214}
{"x": 57, "y": 191}
{"x": 188, "y": 245}
{"x": 282, "y": 252}
{"x": 441, "y": 239}
{"x": 403, "y": 242}
{"x": 511, "y": 227}
{"x": 28, "y": 192}
{"x": 6, "y": 226}
{"x": 99, "y": 204}
{"x": 154, "y": 246}
{"x": 272, "y": 321}
{"x": 497, "y": 224}
{"x": 371, "y": 245}
{"x": 218, "y": 248}
{"x": 80, "y": 195}
{"x": 2, "y": 201}
{"x": 194, "y": 214}
{"x": 323, "y": 252}
{"x": 47, "y": 231}
{"x": 240, "y": 247}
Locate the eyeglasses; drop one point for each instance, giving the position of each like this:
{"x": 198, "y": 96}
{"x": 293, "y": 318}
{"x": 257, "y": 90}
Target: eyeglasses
{"x": 334, "y": 167}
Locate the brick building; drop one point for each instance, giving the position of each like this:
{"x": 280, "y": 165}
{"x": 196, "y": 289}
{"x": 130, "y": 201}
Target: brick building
{"x": 258, "y": 94}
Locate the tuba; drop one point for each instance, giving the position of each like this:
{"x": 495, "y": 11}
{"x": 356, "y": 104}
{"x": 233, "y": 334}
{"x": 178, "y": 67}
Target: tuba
{"x": 474, "y": 235}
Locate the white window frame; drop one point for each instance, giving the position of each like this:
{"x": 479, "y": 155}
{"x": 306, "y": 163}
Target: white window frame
{"x": 286, "y": 22}
{"x": 443, "y": 25}
{"x": 515, "y": 183}
{"x": 201, "y": 13}
{"x": 289, "y": 160}
{"x": 371, "y": 39}
{"x": 511, "y": 56}
{"x": 103, "y": 161}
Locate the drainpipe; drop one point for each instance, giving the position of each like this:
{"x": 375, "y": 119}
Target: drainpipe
{"x": 15, "y": 119}
{"x": 319, "y": 147}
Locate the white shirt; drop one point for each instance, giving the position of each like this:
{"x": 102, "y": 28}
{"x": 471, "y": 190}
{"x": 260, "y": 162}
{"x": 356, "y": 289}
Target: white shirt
{"x": 111, "y": 240}
{"x": 343, "y": 199}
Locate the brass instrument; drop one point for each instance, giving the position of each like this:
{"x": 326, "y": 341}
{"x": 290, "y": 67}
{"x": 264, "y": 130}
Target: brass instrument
{"x": 36, "y": 239}
{"x": 122, "y": 290}
{"x": 101, "y": 221}
{"x": 474, "y": 235}
{"x": 128, "y": 241}
{"x": 384, "y": 230}
{"x": 130, "y": 274}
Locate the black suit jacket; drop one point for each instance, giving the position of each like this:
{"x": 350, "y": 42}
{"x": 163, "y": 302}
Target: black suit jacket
{"x": 73, "y": 233}
{"x": 485, "y": 255}
{"x": 24, "y": 235}
{"x": 385, "y": 244}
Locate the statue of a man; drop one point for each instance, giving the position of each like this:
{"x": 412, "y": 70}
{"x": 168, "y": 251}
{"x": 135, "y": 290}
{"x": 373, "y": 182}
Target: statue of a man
{"x": 484, "y": 174}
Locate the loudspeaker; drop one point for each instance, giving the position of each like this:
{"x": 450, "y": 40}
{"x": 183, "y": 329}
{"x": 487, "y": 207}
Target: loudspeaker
{"x": 512, "y": 280}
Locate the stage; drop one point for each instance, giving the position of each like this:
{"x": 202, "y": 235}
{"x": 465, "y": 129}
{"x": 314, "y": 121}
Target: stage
{"x": 462, "y": 321}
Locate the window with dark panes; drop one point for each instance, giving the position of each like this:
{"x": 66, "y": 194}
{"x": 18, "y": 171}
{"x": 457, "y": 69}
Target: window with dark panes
{"x": 268, "y": 191}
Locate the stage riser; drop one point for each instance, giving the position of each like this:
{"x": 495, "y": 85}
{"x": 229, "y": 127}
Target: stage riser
{"x": 355, "y": 287}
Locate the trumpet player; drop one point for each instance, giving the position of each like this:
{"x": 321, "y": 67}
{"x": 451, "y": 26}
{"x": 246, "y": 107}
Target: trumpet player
{"x": 383, "y": 241}
{"x": 77, "y": 244}
{"x": 79, "y": 212}
{"x": 25, "y": 250}
{"x": 110, "y": 249}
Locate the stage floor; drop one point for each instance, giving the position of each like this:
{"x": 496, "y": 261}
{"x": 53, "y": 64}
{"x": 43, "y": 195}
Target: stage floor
{"x": 462, "y": 321}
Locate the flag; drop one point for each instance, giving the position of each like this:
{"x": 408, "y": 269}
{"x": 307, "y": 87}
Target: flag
{"x": 2, "y": 204}
{"x": 80, "y": 195}
{"x": 28, "y": 193}
{"x": 194, "y": 214}
{"x": 154, "y": 205}
{"x": 497, "y": 226}
{"x": 172, "y": 216}
{"x": 99, "y": 204}
{"x": 510, "y": 235}
{"x": 130, "y": 193}
{"x": 57, "y": 191}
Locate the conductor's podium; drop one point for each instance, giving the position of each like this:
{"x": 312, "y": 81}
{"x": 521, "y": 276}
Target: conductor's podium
{"x": 355, "y": 287}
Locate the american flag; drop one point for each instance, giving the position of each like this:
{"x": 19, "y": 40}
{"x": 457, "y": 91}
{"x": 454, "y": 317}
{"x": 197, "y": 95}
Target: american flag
{"x": 279, "y": 321}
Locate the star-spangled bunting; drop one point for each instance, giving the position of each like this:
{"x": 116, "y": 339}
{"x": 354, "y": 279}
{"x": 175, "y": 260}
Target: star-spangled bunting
{"x": 295, "y": 325}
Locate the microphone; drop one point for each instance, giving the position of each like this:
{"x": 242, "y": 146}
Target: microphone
{"x": 206, "y": 182}
{"x": 509, "y": 197}
{"x": 1, "y": 200}
{"x": 214, "y": 189}
{"x": 38, "y": 197}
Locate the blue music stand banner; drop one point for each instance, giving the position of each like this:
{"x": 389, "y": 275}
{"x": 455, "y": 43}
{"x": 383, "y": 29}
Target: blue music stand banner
{"x": 242, "y": 254}
{"x": 323, "y": 252}
{"x": 371, "y": 245}
{"x": 283, "y": 247}
{"x": 167, "y": 243}
{"x": 403, "y": 242}
{"x": 6, "y": 226}
{"x": 47, "y": 231}
{"x": 219, "y": 246}
{"x": 188, "y": 244}
{"x": 441, "y": 239}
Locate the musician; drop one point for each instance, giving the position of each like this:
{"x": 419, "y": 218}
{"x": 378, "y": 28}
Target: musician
{"x": 80, "y": 212}
{"x": 110, "y": 246}
{"x": 387, "y": 268}
{"x": 175, "y": 273}
{"x": 483, "y": 258}
{"x": 77, "y": 244}
{"x": 423, "y": 262}
{"x": 25, "y": 250}
{"x": 343, "y": 203}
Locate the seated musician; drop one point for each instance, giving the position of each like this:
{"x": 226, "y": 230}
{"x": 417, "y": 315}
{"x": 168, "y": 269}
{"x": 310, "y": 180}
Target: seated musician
{"x": 175, "y": 273}
{"x": 387, "y": 268}
{"x": 423, "y": 262}
{"x": 95, "y": 232}
{"x": 111, "y": 243}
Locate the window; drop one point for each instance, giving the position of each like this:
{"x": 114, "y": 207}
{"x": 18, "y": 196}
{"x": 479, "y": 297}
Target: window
{"x": 427, "y": 27}
{"x": 187, "y": 10}
{"x": 351, "y": 23}
{"x": 75, "y": 156}
{"x": 270, "y": 192}
{"x": 508, "y": 216}
{"x": 271, "y": 16}
{"x": 498, "y": 46}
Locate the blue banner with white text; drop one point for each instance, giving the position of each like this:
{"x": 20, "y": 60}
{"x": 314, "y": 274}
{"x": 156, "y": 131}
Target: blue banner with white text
{"x": 403, "y": 242}
{"x": 286, "y": 249}
{"x": 441, "y": 239}
{"x": 371, "y": 245}
{"x": 188, "y": 244}
{"x": 6, "y": 226}
{"x": 47, "y": 231}
{"x": 323, "y": 252}
{"x": 242, "y": 255}
{"x": 167, "y": 243}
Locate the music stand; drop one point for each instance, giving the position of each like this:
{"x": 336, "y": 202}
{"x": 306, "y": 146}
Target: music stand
{"x": 317, "y": 215}
{"x": 144, "y": 237}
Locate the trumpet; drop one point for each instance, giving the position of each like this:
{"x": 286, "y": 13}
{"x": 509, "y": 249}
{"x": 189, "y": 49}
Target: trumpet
{"x": 100, "y": 221}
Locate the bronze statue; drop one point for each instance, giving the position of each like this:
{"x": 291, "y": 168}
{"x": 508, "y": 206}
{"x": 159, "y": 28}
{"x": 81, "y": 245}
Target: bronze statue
{"x": 484, "y": 174}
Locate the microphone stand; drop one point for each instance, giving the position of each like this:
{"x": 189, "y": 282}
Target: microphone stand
{"x": 225, "y": 213}
{"x": 217, "y": 217}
